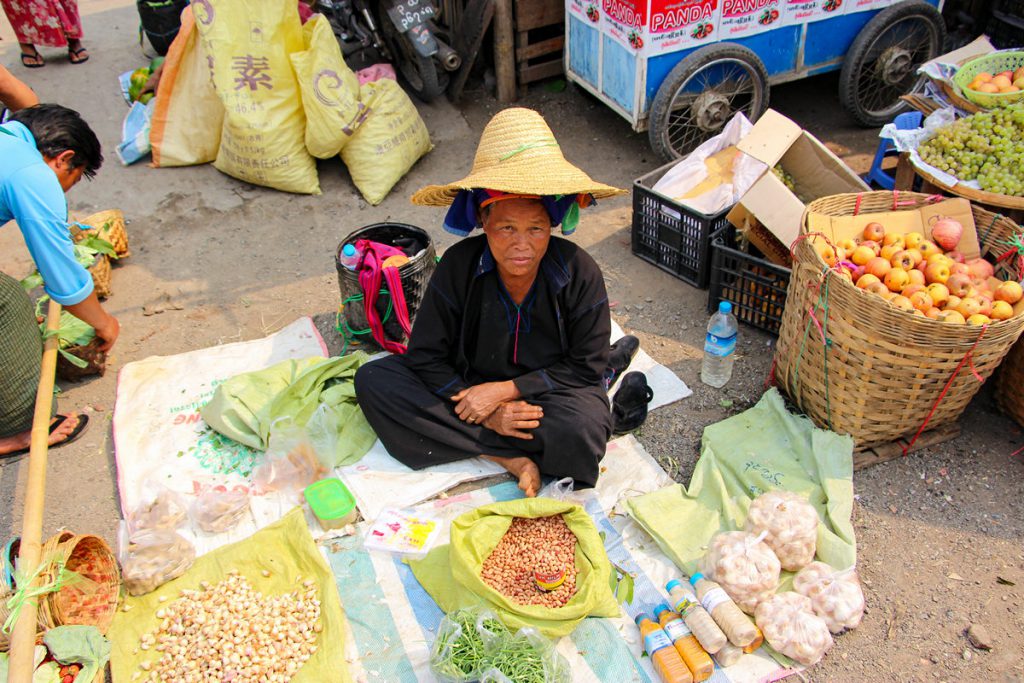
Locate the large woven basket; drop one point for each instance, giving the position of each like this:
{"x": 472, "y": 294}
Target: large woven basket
{"x": 90, "y": 600}
{"x": 100, "y": 271}
{"x": 108, "y": 225}
{"x": 415, "y": 276}
{"x": 880, "y": 371}
{"x": 1010, "y": 384}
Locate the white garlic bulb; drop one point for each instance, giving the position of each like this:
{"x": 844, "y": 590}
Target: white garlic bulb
{"x": 836, "y": 597}
{"x": 790, "y": 524}
{"x": 744, "y": 566}
{"x": 791, "y": 628}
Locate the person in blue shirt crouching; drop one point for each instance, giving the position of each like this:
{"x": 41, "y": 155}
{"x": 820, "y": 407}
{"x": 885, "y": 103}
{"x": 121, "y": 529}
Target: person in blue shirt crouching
{"x": 44, "y": 151}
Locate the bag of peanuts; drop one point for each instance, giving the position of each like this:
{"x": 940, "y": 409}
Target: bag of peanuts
{"x": 150, "y": 559}
{"x": 744, "y": 566}
{"x": 790, "y": 525}
{"x": 835, "y": 596}
{"x": 535, "y": 562}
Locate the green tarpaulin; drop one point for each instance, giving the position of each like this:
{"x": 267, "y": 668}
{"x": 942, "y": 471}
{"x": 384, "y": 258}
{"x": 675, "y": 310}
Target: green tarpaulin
{"x": 315, "y": 393}
{"x": 763, "y": 448}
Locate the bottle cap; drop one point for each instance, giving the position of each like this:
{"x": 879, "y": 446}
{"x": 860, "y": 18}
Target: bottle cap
{"x": 659, "y": 609}
{"x": 639, "y": 618}
{"x": 349, "y": 250}
{"x": 674, "y": 583}
{"x": 695, "y": 578}
{"x": 724, "y": 307}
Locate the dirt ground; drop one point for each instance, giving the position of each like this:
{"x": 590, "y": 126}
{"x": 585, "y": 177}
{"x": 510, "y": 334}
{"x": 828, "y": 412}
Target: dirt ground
{"x": 940, "y": 533}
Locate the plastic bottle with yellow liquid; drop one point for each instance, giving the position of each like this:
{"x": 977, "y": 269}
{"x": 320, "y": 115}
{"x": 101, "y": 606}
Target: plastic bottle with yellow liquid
{"x": 664, "y": 657}
{"x": 703, "y": 627}
{"x": 696, "y": 659}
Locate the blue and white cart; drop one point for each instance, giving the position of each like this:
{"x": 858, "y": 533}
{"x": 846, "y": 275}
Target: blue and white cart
{"x": 681, "y": 68}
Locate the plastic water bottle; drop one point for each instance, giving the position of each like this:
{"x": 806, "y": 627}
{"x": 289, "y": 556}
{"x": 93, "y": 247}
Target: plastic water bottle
{"x": 719, "y": 347}
{"x": 349, "y": 256}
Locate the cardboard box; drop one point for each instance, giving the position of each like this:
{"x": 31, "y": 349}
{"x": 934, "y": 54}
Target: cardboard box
{"x": 769, "y": 213}
{"x": 837, "y": 228}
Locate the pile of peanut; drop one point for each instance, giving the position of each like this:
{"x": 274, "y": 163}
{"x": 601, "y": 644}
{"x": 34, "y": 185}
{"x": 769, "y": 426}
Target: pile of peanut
{"x": 542, "y": 544}
{"x": 231, "y": 632}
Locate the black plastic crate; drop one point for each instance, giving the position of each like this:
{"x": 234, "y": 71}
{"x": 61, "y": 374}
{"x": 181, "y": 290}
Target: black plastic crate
{"x": 673, "y": 237}
{"x": 1006, "y": 30}
{"x": 755, "y": 286}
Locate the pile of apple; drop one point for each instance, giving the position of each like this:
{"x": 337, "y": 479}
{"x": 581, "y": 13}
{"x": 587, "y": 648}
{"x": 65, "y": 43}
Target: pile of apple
{"x": 929, "y": 278}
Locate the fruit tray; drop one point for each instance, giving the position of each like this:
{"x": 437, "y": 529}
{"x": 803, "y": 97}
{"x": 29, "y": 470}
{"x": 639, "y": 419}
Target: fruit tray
{"x": 997, "y": 62}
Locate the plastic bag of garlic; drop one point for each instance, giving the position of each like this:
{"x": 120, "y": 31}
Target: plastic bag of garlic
{"x": 790, "y": 525}
{"x": 835, "y": 596}
{"x": 792, "y": 629}
{"x": 744, "y": 566}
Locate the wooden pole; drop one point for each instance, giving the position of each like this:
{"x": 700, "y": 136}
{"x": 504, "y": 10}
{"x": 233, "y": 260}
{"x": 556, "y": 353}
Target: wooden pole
{"x": 23, "y": 637}
{"x": 504, "y": 59}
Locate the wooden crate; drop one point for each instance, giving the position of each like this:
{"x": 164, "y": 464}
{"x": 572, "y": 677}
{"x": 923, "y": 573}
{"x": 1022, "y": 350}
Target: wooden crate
{"x": 885, "y": 452}
{"x": 540, "y": 39}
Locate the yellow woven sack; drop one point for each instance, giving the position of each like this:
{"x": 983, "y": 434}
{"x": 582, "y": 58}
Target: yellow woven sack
{"x": 188, "y": 115}
{"x": 263, "y": 139}
{"x": 330, "y": 91}
{"x": 387, "y": 144}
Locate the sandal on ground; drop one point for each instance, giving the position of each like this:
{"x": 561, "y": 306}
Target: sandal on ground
{"x": 37, "y": 60}
{"x": 83, "y": 422}
{"x": 73, "y": 56}
{"x": 620, "y": 355}
{"x": 629, "y": 407}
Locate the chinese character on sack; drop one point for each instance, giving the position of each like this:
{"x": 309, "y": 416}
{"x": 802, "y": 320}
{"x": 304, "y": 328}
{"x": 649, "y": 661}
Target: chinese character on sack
{"x": 251, "y": 72}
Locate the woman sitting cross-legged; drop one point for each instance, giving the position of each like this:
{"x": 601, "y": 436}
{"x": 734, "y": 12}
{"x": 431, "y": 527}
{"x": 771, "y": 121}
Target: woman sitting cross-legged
{"x": 506, "y": 355}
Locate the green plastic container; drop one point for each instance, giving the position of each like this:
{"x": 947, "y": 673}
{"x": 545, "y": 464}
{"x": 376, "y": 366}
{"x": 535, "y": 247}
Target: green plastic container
{"x": 331, "y": 502}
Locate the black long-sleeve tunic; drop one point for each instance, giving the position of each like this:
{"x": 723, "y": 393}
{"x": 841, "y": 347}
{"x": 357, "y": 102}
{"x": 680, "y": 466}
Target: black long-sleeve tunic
{"x": 468, "y": 330}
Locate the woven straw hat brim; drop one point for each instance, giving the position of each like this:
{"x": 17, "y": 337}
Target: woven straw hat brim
{"x": 518, "y": 154}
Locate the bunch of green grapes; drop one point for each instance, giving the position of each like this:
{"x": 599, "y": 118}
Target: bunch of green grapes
{"x": 987, "y": 147}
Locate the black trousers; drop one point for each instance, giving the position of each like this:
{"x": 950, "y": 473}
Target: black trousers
{"x": 421, "y": 429}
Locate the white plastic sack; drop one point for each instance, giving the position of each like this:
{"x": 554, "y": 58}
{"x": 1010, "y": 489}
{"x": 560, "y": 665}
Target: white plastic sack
{"x": 691, "y": 171}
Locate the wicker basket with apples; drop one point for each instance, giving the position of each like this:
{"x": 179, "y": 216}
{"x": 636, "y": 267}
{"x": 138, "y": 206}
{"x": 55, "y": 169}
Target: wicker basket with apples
{"x": 881, "y": 357}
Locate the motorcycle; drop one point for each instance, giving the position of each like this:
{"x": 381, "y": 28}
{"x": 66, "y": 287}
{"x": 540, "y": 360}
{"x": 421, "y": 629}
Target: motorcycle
{"x": 398, "y": 31}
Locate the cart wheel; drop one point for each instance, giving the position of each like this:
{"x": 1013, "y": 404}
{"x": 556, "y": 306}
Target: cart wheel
{"x": 702, "y": 93}
{"x": 882, "y": 62}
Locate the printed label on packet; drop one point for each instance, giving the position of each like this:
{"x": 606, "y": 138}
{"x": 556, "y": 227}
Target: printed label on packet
{"x": 713, "y": 598}
{"x": 677, "y": 629}
{"x": 656, "y": 640}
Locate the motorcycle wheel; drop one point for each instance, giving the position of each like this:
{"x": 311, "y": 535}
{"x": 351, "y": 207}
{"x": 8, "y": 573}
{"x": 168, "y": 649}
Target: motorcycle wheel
{"x": 421, "y": 75}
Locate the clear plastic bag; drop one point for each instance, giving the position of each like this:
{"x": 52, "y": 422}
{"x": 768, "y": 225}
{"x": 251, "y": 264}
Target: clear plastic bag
{"x": 472, "y": 644}
{"x": 790, "y": 525}
{"x": 526, "y": 657}
{"x": 160, "y": 508}
{"x": 218, "y": 511}
{"x": 151, "y": 558}
{"x": 792, "y": 629}
{"x": 836, "y": 597}
{"x": 744, "y": 566}
{"x": 291, "y": 463}
{"x": 458, "y": 654}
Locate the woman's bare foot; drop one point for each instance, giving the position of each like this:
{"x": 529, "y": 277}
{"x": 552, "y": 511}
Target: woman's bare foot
{"x": 22, "y": 440}
{"x": 523, "y": 469}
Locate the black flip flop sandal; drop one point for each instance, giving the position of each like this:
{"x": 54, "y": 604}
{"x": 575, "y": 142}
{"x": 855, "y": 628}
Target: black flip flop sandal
{"x": 25, "y": 56}
{"x": 72, "y": 54}
{"x": 629, "y": 407}
{"x": 620, "y": 355}
{"x": 83, "y": 422}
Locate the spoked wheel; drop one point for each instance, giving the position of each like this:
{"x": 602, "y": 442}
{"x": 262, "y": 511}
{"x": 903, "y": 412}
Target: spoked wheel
{"x": 702, "y": 93}
{"x": 422, "y": 75}
{"x": 883, "y": 60}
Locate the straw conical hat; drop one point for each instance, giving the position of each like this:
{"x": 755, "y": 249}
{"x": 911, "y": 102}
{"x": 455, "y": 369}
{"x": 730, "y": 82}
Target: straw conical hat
{"x": 518, "y": 153}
